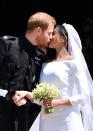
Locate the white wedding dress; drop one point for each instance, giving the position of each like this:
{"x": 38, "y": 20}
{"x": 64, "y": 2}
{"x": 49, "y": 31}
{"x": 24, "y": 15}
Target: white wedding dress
{"x": 65, "y": 76}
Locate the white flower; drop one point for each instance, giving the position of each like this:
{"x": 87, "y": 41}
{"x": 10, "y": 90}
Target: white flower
{"x": 45, "y": 91}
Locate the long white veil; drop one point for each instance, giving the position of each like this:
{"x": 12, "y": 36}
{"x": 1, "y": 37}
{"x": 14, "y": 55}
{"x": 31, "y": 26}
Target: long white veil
{"x": 75, "y": 49}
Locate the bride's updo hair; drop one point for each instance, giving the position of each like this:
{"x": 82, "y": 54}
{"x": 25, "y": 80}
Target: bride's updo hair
{"x": 62, "y": 31}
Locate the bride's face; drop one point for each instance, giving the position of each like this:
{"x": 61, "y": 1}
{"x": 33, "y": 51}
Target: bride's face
{"x": 57, "y": 41}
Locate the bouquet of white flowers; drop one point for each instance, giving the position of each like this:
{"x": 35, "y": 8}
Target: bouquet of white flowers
{"x": 44, "y": 92}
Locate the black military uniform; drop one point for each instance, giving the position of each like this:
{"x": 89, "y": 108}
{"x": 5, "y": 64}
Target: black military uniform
{"x": 20, "y": 65}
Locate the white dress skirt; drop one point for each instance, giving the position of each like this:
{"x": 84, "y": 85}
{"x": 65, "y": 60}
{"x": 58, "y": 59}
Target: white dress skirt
{"x": 69, "y": 80}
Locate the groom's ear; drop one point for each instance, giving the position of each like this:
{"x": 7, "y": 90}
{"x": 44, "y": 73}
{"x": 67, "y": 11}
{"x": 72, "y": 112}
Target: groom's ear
{"x": 38, "y": 29}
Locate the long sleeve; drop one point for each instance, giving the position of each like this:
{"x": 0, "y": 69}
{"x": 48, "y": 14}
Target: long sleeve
{"x": 81, "y": 92}
{"x": 11, "y": 71}
{"x": 3, "y": 51}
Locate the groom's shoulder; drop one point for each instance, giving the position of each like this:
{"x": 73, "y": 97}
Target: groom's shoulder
{"x": 8, "y": 41}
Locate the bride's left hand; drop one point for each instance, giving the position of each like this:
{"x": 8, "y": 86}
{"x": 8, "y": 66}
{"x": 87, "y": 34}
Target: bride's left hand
{"x": 60, "y": 102}
{"x": 51, "y": 103}
{"x": 57, "y": 102}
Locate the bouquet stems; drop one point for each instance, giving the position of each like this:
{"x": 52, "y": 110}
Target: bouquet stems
{"x": 49, "y": 110}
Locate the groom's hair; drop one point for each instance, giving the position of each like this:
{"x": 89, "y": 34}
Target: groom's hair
{"x": 40, "y": 19}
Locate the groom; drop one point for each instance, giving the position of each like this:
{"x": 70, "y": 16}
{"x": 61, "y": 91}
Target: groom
{"x": 20, "y": 64}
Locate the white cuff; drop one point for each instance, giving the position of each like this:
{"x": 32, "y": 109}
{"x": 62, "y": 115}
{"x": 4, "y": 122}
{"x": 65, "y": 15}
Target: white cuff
{"x": 3, "y": 92}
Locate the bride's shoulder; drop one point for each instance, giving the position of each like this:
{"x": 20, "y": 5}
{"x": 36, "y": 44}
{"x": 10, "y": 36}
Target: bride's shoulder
{"x": 76, "y": 64}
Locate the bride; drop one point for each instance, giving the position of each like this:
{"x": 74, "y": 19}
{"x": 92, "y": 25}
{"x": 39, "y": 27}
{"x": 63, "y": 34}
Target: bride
{"x": 69, "y": 72}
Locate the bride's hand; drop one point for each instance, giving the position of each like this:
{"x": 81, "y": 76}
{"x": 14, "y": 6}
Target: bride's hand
{"x": 22, "y": 94}
{"x": 19, "y": 95}
{"x": 60, "y": 102}
{"x": 21, "y": 102}
{"x": 47, "y": 103}
{"x": 30, "y": 96}
{"x": 51, "y": 103}
{"x": 55, "y": 102}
